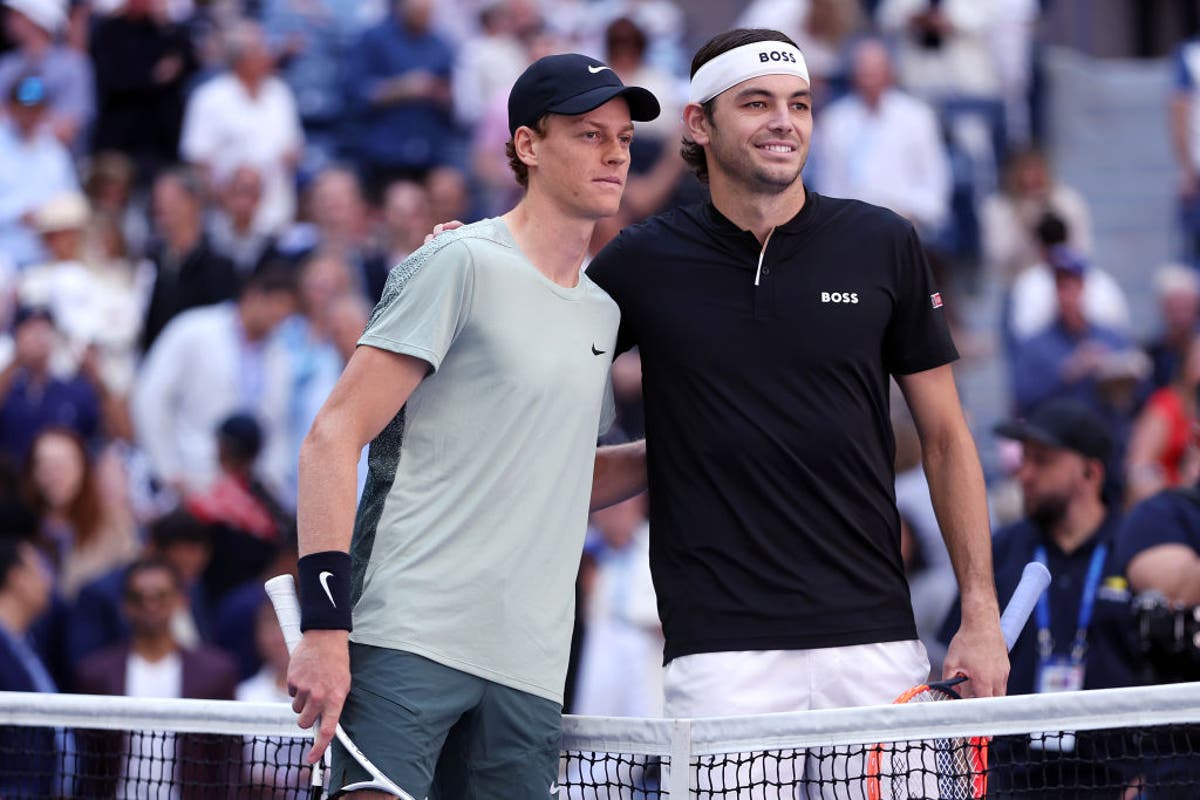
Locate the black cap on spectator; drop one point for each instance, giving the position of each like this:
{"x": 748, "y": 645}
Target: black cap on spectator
{"x": 26, "y": 313}
{"x": 178, "y": 526}
{"x": 570, "y": 83}
{"x": 1065, "y": 424}
{"x": 242, "y": 435}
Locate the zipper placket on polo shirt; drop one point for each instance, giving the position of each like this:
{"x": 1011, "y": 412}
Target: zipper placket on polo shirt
{"x": 763, "y": 294}
{"x": 761, "y": 255}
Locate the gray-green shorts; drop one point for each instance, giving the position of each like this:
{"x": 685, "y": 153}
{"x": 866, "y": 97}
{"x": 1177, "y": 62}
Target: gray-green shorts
{"x": 440, "y": 733}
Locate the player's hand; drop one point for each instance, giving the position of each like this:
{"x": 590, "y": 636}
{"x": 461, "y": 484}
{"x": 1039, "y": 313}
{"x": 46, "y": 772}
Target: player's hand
{"x": 441, "y": 228}
{"x": 978, "y": 652}
{"x": 318, "y": 681}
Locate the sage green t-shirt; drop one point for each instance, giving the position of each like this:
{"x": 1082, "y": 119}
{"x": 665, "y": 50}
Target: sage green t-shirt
{"x": 469, "y": 532}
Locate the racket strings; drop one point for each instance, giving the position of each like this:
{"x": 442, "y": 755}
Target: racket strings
{"x": 932, "y": 769}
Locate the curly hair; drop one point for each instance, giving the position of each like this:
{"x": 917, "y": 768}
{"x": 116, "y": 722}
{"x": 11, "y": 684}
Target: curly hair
{"x": 519, "y": 168}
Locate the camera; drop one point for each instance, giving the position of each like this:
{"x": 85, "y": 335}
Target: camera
{"x": 1169, "y": 637}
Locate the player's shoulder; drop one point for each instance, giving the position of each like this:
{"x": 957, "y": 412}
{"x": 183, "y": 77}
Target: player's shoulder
{"x": 865, "y": 218}
{"x": 597, "y": 295}
{"x": 460, "y": 245}
{"x": 665, "y": 230}
{"x": 671, "y": 234}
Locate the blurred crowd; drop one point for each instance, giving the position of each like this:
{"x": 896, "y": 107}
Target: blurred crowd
{"x": 200, "y": 203}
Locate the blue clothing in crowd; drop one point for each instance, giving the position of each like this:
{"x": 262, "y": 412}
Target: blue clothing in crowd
{"x": 1038, "y": 365}
{"x": 408, "y": 135}
{"x": 30, "y": 755}
{"x": 31, "y": 406}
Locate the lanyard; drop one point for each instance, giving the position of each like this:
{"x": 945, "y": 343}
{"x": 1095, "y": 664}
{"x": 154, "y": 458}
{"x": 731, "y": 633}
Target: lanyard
{"x": 1090, "y": 584}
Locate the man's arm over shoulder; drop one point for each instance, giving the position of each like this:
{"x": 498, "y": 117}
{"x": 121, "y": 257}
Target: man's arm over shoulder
{"x": 620, "y": 473}
{"x": 956, "y": 488}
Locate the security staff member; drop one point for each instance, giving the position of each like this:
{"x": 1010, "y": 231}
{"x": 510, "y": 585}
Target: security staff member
{"x": 1081, "y": 635}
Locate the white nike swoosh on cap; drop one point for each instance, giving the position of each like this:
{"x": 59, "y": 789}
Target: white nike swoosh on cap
{"x": 324, "y": 579}
{"x": 594, "y": 70}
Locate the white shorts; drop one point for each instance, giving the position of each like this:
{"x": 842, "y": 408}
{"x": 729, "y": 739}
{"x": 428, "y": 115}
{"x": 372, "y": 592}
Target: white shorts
{"x": 769, "y": 681}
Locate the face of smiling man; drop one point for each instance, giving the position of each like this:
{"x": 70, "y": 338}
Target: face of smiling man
{"x": 759, "y": 133}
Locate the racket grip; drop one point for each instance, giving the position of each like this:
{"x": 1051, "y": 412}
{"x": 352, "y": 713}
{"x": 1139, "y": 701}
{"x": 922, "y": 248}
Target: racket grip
{"x": 1034, "y": 580}
{"x": 282, "y": 591}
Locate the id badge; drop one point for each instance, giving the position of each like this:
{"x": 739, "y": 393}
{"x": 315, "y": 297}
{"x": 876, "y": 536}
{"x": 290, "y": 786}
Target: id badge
{"x": 1057, "y": 674}
{"x": 1060, "y": 674}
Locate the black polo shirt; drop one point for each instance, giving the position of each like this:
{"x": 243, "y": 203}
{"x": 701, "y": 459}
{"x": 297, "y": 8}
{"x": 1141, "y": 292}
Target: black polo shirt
{"x": 769, "y": 440}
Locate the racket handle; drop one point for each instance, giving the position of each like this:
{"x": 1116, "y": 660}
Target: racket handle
{"x": 282, "y": 591}
{"x": 1034, "y": 580}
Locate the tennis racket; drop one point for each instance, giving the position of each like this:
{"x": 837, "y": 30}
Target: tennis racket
{"x": 282, "y": 591}
{"x": 951, "y": 769}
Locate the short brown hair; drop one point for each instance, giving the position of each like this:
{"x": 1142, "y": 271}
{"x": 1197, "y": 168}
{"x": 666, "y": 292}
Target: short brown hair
{"x": 693, "y": 153}
{"x": 519, "y": 168}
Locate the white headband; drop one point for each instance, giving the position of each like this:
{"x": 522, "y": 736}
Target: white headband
{"x": 743, "y": 63}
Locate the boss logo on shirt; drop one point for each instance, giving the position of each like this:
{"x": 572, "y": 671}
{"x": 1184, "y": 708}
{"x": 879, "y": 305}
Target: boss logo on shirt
{"x": 775, "y": 55}
{"x": 839, "y": 297}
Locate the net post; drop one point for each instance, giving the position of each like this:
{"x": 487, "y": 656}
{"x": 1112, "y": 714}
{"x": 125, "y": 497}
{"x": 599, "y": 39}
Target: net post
{"x": 681, "y": 760}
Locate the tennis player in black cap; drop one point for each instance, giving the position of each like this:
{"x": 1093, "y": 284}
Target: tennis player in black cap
{"x": 480, "y": 385}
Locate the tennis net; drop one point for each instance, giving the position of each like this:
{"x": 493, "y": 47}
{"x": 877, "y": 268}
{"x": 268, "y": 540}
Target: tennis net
{"x": 1126, "y": 744}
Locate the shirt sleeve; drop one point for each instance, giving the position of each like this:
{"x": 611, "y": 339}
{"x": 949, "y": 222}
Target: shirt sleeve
{"x": 918, "y": 337}
{"x": 1158, "y": 520}
{"x": 426, "y": 303}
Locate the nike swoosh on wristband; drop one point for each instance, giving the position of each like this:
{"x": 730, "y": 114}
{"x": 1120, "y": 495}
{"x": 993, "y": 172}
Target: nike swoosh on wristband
{"x": 596, "y": 352}
{"x": 324, "y": 579}
{"x": 594, "y": 70}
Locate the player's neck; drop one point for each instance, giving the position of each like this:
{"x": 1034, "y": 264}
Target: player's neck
{"x": 758, "y": 213}
{"x": 555, "y": 242}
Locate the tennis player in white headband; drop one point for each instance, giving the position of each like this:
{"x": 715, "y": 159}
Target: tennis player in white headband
{"x": 771, "y": 321}
{"x": 743, "y": 63}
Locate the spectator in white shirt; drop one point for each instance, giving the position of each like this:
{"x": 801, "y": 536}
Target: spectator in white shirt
{"x": 1009, "y": 218}
{"x": 209, "y": 363}
{"x": 34, "y": 167}
{"x": 247, "y": 116}
{"x": 883, "y": 146}
{"x": 945, "y": 47}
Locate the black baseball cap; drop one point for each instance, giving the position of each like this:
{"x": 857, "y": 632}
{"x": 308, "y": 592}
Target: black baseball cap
{"x": 243, "y": 434}
{"x": 571, "y": 83}
{"x": 1066, "y": 424}
{"x": 24, "y": 313}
